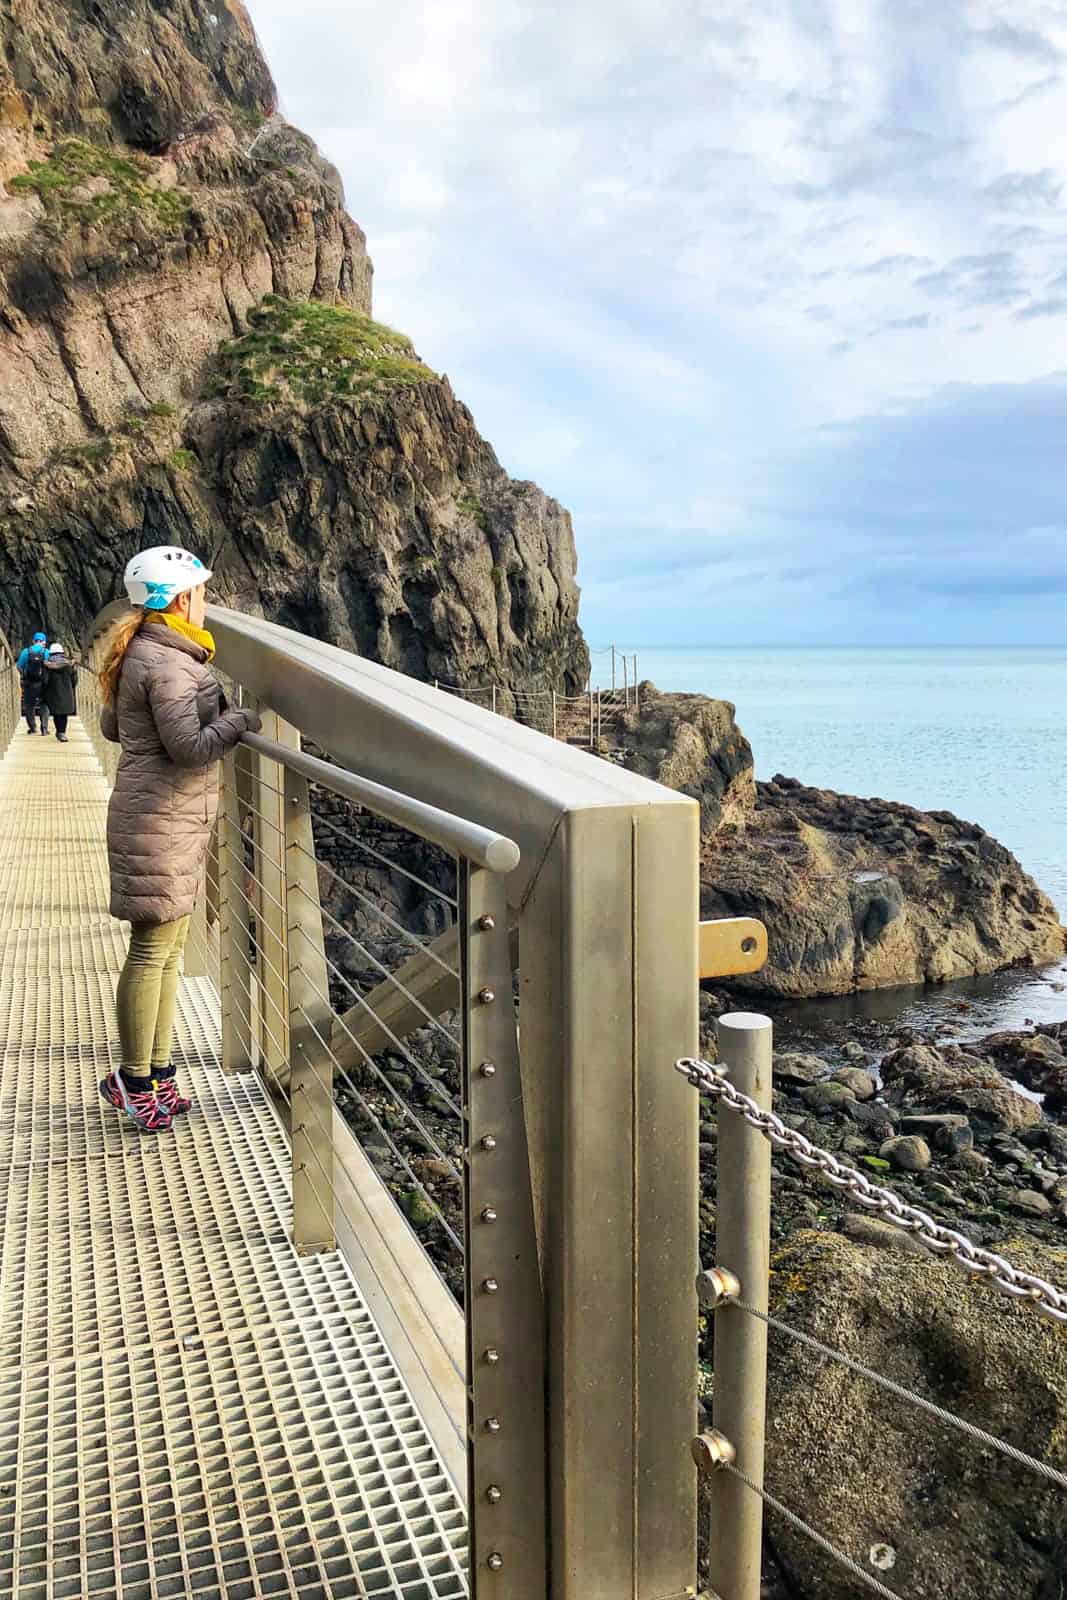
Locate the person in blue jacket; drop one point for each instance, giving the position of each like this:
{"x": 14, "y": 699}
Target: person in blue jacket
{"x": 31, "y": 666}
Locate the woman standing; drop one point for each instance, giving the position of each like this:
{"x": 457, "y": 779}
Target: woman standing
{"x": 60, "y": 676}
{"x": 163, "y": 705}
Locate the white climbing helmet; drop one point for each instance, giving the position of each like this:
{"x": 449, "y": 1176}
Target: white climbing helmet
{"x": 55, "y": 650}
{"x": 156, "y": 576}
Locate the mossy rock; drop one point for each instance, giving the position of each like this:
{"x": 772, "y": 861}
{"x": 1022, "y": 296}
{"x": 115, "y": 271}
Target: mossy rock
{"x": 418, "y": 1209}
{"x": 313, "y": 353}
{"x": 79, "y": 183}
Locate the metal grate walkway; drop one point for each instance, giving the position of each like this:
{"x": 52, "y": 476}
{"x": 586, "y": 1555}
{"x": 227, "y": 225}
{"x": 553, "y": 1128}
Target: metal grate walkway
{"x": 187, "y": 1407}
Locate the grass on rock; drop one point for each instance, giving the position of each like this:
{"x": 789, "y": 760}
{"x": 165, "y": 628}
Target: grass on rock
{"x": 81, "y": 183}
{"x": 307, "y": 351}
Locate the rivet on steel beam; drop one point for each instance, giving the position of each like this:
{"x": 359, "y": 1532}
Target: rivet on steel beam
{"x": 488, "y": 1214}
{"x": 494, "y": 1494}
{"x": 487, "y": 923}
{"x": 488, "y": 1142}
{"x": 717, "y": 1286}
{"x": 492, "y": 1355}
{"x": 490, "y": 1285}
{"x": 495, "y": 1561}
{"x": 486, "y": 997}
{"x": 492, "y": 1424}
{"x": 712, "y": 1451}
{"x": 488, "y": 1069}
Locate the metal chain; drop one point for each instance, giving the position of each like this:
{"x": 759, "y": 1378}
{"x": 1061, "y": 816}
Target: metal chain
{"x": 1038, "y": 1292}
{"x": 947, "y": 1417}
{"x": 811, "y": 1533}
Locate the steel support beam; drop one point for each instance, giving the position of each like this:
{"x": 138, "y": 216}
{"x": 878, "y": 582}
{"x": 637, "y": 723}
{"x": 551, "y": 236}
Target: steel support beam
{"x": 505, "y": 1311}
{"x": 310, "y": 1023}
{"x": 608, "y": 1000}
{"x": 234, "y": 945}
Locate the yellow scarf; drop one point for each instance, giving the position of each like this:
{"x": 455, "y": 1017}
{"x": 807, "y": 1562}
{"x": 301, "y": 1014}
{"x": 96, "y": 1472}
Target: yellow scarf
{"x": 181, "y": 625}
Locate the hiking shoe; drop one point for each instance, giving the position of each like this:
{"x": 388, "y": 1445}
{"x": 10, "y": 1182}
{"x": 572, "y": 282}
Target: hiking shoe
{"x": 144, "y": 1108}
{"x": 172, "y": 1102}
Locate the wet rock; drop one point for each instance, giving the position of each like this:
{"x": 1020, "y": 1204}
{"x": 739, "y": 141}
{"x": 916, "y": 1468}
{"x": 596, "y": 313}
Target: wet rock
{"x": 877, "y": 1118}
{"x": 854, "y": 1051}
{"x": 871, "y": 1230}
{"x": 798, "y": 1068}
{"x": 1030, "y": 1203}
{"x": 953, "y": 1079}
{"x": 908, "y": 1152}
{"x": 827, "y": 1096}
{"x": 858, "y": 1081}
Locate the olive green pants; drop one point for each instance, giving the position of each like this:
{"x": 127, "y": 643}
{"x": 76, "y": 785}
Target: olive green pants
{"x": 147, "y": 995}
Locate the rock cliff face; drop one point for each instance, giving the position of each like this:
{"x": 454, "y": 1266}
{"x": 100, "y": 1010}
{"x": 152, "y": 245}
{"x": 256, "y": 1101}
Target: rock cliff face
{"x": 186, "y": 354}
{"x": 855, "y": 894}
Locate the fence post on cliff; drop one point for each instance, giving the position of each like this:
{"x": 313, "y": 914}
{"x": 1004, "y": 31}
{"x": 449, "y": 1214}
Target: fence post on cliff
{"x": 554, "y": 731}
{"x": 625, "y": 681}
{"x": 592, "y": 727}
{"x": 742, "y": 1234}
{"x": 493, "y": 707}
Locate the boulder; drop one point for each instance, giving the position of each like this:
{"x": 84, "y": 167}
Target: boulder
{"x": 861, "y": 1083}
{"x": 865, "y": 893}
{"x": 953, "y": 1079}
{"x": 798, "y": 1068}
{"x": 870, "y": 1471}
{"x": 907, "y": 1152}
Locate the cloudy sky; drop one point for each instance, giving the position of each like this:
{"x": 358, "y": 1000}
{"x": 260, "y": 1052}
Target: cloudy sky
{"x": 772, "y": 294}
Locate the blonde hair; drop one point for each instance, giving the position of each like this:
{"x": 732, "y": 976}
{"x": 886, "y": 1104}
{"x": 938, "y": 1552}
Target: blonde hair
{"x": 115, "y": 647}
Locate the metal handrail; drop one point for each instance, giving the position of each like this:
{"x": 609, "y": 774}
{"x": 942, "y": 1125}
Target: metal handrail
{"x": 482, "y": 846}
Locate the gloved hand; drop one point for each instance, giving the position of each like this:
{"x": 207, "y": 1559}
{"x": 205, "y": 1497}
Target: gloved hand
{"x": 253, "y": 723}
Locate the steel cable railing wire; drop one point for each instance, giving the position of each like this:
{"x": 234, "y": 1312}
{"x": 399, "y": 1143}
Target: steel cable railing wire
{"x": 418, "y": 945}
{"x": 442, "y": 1220}
{"x": 351, "y": 839}
{"x": 339, "y": 1022}
{"x": 817, "y": 1538}
{"x": 948, "y": 1418}
{"x": 337, "y": 1070}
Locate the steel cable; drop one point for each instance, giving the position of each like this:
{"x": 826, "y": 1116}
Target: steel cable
{"x": 949, "y": 1419}
{"x": 813, "y": 1534}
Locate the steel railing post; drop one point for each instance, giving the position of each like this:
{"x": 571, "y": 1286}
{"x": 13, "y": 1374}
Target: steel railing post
{"x": 310, "y": 1027}
{"x": 505, "y": 1308}
{"x": 234, "y": 944}
{"x": 608, "y": 986}
{"x": 268, "y": 802}
{"x": 742, "y": 1232}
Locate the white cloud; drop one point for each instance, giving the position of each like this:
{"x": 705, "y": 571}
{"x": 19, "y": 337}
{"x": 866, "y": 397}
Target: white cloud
{"x": 659, "y": 240}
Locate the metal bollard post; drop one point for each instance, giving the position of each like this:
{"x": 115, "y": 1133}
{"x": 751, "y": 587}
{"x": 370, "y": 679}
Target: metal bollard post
{"x": 742, "y": 1247}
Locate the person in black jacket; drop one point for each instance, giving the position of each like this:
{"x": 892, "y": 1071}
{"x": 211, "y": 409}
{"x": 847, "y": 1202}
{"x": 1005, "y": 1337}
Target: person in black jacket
{"x": 60, "y": 676}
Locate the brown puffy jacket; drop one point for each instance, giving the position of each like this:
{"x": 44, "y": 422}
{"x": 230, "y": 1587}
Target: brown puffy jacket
{"x": 169, "y": 722}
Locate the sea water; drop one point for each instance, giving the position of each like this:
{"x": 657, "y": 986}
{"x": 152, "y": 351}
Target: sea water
{"x": 979, "y": 732}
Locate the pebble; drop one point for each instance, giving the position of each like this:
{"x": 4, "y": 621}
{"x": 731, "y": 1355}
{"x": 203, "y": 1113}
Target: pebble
{"x": 860, "y": 1082}
{"x": 908, "y": 1152}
